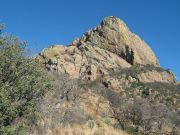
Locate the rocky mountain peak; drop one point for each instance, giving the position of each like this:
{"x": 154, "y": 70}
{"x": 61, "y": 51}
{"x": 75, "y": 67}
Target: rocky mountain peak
{"x": 112, "y": 21}
{"x": 113, "y": 35}
{"x": 109, "y": 46}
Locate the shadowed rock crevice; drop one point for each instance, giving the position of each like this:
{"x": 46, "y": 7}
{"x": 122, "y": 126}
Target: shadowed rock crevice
{"x": 128, "y": 55}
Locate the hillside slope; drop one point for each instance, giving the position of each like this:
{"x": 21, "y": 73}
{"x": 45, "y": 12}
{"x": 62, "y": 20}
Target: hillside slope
{"x": 107, "y": 82}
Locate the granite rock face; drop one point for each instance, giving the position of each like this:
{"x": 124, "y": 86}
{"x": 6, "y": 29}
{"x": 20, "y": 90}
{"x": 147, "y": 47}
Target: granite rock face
{"x": 109, "y": 46}
{"x": 113, "y": 35}
{"x": 83, "y": 61}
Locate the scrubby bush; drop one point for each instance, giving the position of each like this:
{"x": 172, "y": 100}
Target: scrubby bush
{"x": 143, "y": 108}
{"x": 135, "y": 70}
{"x": 65, "y": 87}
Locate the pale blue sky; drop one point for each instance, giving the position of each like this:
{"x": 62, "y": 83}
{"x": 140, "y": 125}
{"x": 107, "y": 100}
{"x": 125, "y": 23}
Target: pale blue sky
{"x": 45, "y": 22}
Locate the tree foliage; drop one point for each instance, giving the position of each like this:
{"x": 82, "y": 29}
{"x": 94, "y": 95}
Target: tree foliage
{"x": 22, "y": 83}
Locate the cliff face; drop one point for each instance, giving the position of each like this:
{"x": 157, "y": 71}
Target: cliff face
{"x": 110, "y": 46}
{"x": 113, "y": 35}
{"x": 107, "y": 81}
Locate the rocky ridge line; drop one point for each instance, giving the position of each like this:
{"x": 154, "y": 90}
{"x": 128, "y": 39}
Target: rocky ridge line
{"x": 108, "y": 47}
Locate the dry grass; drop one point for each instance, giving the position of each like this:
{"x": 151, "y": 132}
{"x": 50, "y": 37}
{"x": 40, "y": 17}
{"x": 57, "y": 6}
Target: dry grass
{"x": 85, "y": 130}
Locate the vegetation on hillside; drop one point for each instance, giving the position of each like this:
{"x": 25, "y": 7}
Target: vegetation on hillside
{"x": 143, "y": 108}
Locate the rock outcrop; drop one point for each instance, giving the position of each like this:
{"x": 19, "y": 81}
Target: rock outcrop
{"x": 113, "y": 35}
{"x": 109, "y": 46}
{"x": 77, "y": 61}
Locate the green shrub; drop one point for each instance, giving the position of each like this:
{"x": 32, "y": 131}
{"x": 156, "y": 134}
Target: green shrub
{"x": 107, "y": 120}
{"x": 22, "y": 83}
{"x": 91, "y": 124}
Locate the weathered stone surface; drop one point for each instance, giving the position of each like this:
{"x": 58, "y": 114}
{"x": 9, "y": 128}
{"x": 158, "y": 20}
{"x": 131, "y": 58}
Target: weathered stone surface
{"x": 109, "y": 46}
{"x": 154, "y": 76}
{"x": 53, "y": 51}
{"x": 114, "y": 36}
{"x": 78, "y": 61}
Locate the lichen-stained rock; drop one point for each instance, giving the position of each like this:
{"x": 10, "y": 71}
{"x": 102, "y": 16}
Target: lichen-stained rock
{"x": 113, "y": 35}
{"x": 154, "y": 76}
{"x": 53, "y": 51}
